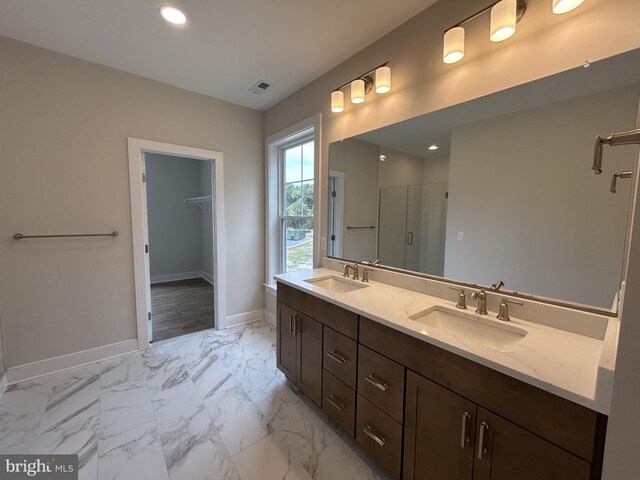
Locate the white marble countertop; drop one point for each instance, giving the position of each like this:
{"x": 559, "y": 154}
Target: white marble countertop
{"x": 573, "y": 366}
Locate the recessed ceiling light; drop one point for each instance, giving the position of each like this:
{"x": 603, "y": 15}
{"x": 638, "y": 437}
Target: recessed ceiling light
{"x": 173, "y": 15}
{"x": 383, "y": 158}
{"x": 433, "y": 147}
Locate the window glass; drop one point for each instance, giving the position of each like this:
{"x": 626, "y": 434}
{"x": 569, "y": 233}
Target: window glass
{"x": 297, "y": 207}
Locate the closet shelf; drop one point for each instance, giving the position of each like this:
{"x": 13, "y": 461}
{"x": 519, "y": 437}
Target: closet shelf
{"x": 202, "y": 202}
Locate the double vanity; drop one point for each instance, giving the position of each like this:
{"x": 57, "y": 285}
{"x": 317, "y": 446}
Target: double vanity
{"x": 434, "y": 391}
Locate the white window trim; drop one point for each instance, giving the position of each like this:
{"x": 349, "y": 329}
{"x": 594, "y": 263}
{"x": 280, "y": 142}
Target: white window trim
{"x": 272, "y": 201}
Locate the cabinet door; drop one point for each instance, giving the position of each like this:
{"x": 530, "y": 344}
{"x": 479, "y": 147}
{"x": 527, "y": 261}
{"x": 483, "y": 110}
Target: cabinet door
{"x": 287, "y": 341}
{"x": 505, "y": 451}
{"x": 439, "y": 432}
{"x": 309, "y": 377}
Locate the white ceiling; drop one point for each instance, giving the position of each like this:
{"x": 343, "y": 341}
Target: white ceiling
{"x": 226, "y": 46}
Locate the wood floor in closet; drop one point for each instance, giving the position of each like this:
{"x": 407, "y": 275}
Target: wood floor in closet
{"x": 181, "y": 307}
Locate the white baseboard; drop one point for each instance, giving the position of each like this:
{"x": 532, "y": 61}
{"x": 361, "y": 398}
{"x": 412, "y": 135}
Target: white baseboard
{"x": 208, "y": 277}
{"x": 72, "y": 360}
{"x": 246, "y": 317}
{"x": 172, "y": 277}
{"x": 270, "y": 317}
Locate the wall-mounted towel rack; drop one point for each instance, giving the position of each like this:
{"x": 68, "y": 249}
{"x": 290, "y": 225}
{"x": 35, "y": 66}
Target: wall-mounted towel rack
{"x": 19, "y": 236}
{"x": 371, "y": 227}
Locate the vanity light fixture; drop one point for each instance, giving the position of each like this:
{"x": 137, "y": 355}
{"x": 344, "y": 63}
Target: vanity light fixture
{"x": 383, "y": 158}
{"x": 504, "y": 16}
{"x": 433, "y": 147}
{"x": 563, "y": 6}
{"x": 361, "y": 86}
{"x": 172, "y": 15}
{"x": 453, "y": 50}
{"x": 503, "y": 20}
{"x": 337, "y": 101}
{"x": 383, "y": 80}
{"x": 357, "y": 91}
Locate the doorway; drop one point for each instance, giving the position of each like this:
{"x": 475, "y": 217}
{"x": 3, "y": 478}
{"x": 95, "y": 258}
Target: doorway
{"x": 177, "y": 207}
{"x": 180, "y": 226}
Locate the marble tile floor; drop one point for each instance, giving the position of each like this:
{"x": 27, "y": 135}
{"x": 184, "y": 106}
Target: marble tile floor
{"x": 205, "y": 406}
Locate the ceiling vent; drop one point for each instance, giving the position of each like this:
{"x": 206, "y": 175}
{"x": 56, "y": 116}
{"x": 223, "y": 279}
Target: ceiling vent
{"x": 260, "y": 87}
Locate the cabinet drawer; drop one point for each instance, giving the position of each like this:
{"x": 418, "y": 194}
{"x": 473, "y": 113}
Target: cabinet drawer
{"x": 339, "y": 402}
{"x": 340, "y": 356}
{"x": 381, "y": 381}
{"x": 380, "y": 435}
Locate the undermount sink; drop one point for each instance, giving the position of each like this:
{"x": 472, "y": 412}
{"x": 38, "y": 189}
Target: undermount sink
{"x": 491, "y": 333}
{"x": 336, "y": 284}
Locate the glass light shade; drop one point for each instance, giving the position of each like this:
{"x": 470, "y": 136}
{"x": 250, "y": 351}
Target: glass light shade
{"x": 503, "y": 20}
{"x": 357, "y": 91}
{"x": 173, "y": 15}
{"x": 453, "y": 49}
{"x": 383, "y": 80}
{"x": 564, "y": 6}
{"x": 337, "y": 101}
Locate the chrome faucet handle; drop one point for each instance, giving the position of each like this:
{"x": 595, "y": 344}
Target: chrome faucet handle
{"x": 374, "y": 263}
{"x": 481, "y": 296}
{"x": 503, "y": 312}
{"x": 498, "y": 285}
{"x": 365, "y": 275}
{"x": 462, "y": 298}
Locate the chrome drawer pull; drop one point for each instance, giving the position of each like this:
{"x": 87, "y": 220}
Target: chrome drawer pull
{"x": 339, "y": 406}
{"x": 481, "y": 450}
{"x": 291, "y": 317}
{"x": 332, "y": 354}
{"x": 463, "y": 434}
{"x": 371, "y": 379}
{"x": 373, "y": 436}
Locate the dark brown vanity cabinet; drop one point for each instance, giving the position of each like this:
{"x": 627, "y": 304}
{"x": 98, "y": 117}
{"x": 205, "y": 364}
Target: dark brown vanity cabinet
{"x": 439, "y": 433}
{"x": 426, "y": 413}
{"x": 301, "y": 320}
{"x": 448, "y": 436}
{"x": 300, "y": 350}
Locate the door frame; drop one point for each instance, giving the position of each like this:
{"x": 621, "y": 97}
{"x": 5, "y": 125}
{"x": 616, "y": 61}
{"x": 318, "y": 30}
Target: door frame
{"x": 338, "y": 213}
{"x": 139, "y": 227}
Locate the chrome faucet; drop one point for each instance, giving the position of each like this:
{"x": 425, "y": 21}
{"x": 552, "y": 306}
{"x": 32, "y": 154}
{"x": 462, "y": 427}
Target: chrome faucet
{"x": 353, "y": 267}
{"x": 481, "y": 296}
{"x": 462, "y": 298}
{"x": 503, "y": 313}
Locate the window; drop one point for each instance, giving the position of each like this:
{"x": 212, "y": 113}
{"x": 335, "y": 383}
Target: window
{"x": 292, "y": 184}
{"x": 296, "y": 193}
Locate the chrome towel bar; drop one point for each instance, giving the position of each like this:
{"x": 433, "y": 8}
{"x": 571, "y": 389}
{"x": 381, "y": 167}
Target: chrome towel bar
{"x": 358, "y": 228}
{"x": 19, "y": 236}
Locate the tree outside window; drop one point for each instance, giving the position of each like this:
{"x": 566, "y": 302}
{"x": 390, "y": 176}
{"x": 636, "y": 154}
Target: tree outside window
{"x": 297, "y": 206}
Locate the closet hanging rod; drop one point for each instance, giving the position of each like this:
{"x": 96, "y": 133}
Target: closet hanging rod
{"x": 358, "y": 228}
{"x": 19, "y": 236}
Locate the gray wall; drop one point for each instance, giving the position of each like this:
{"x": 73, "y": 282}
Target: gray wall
{"x": 176, "y": 230}
{"x": 532, "y": 211}
{"x": 64, "y": 168}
